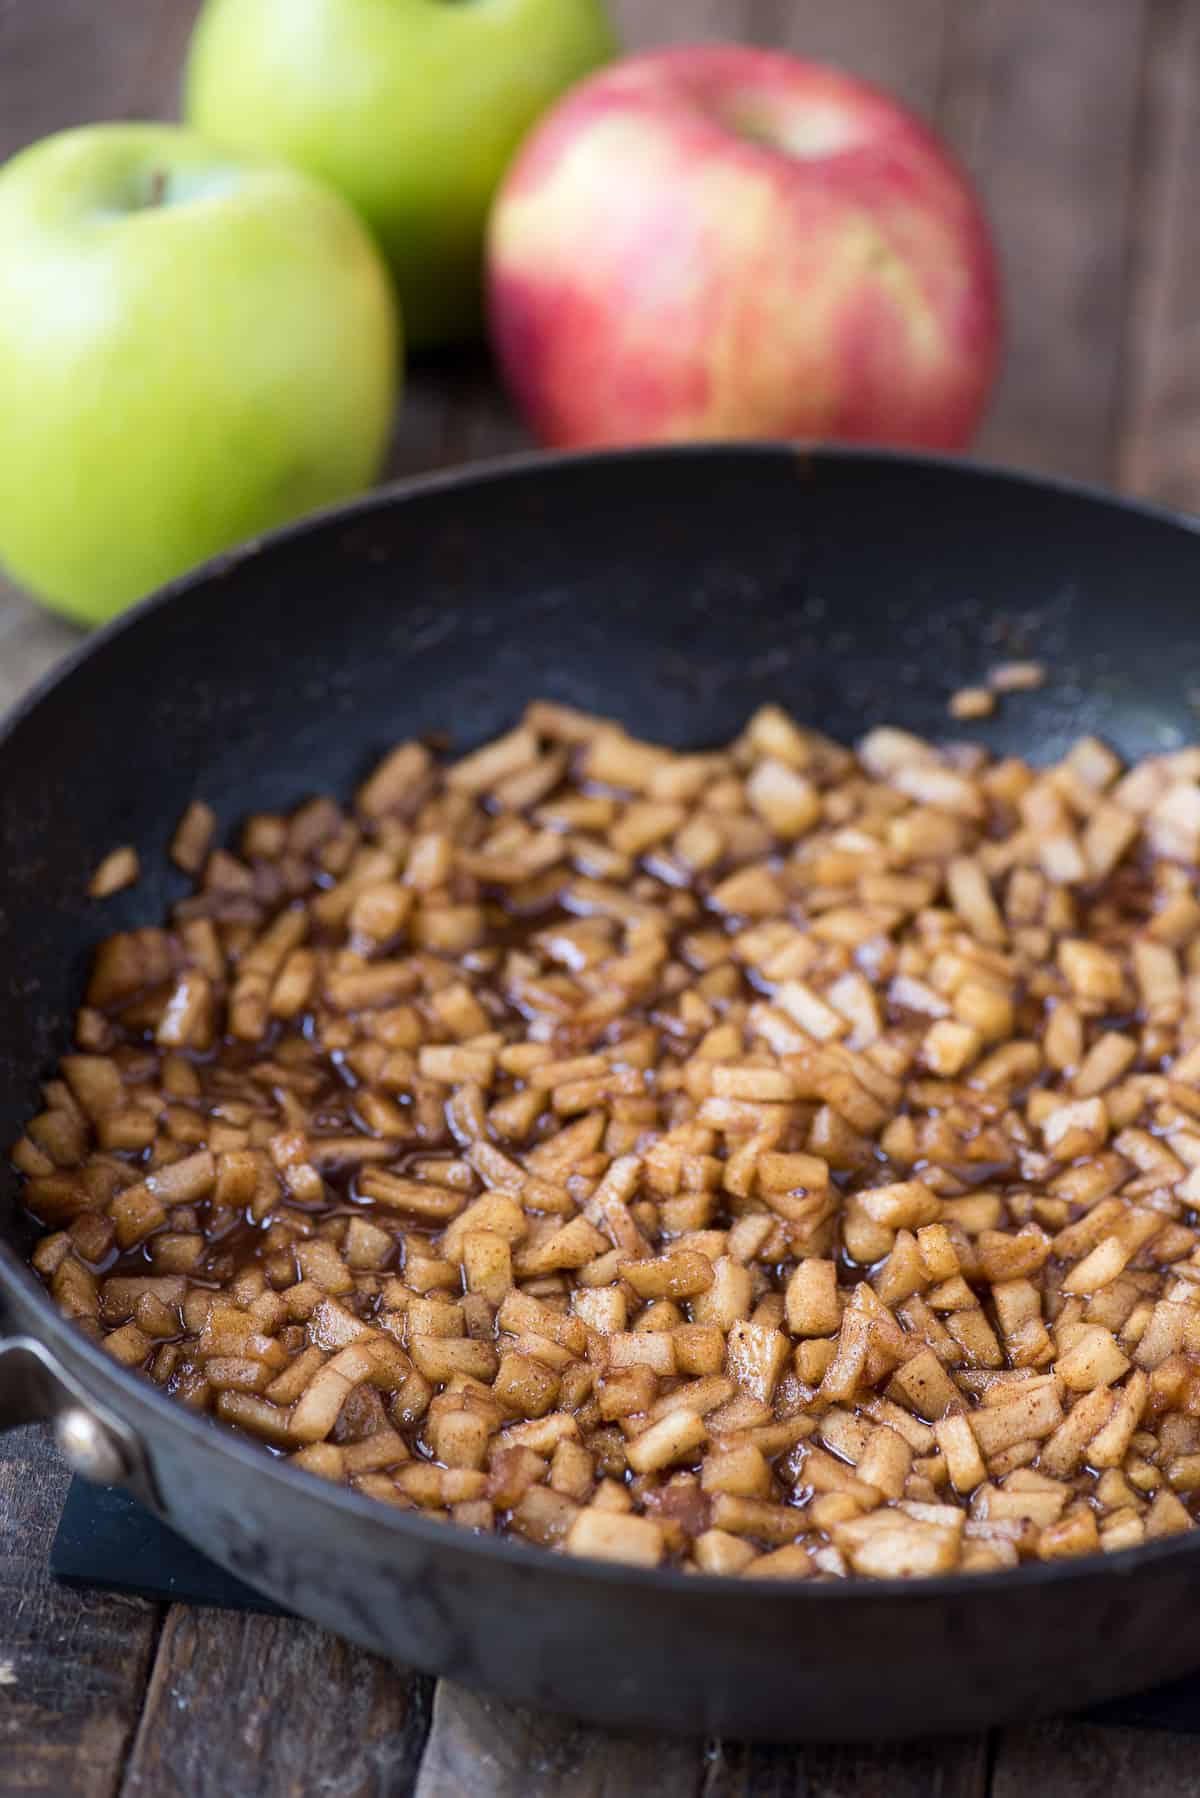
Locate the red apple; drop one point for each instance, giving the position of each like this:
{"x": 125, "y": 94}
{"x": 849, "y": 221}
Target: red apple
{"x": 715, "y": 241}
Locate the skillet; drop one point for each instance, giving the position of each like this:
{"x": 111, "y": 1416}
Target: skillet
{"x": 676, "y": 590}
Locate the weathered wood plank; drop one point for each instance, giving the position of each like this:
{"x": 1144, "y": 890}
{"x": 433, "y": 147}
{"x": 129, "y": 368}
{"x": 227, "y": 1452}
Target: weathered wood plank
{"x": 31, "y": 641}
{"x": 1041, "y": 102}
{"x": 71, "y": 62}
{"x": 73, "y": 1665}
{"x": 1080, "y": 1760}
{"x": 642, "y": 24}
{"x": 900, "y": 46}
{"x": 266, "y": 1705}
{"x": 480, "y": 1747}
{"x": 1160, "y": 449}
{"x": 956, "y": 1768}
{"x": 453, "y": 410}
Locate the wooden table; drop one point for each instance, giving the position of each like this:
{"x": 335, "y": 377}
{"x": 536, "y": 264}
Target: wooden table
{"x": 1080, "y": 120}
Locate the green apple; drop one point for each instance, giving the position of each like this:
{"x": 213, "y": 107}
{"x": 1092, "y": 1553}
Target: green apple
{"x": 410, "y": 108}
{"x": 194, "y": 348}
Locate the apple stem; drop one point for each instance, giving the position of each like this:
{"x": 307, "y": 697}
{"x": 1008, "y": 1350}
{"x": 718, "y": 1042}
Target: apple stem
{"x": 158, "y": 188}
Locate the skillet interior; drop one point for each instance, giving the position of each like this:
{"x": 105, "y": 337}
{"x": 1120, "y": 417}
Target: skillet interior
{"x": 674, "y": 590}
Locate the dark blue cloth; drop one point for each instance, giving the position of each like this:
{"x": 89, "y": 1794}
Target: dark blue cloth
{"x": 105, "y": 1538}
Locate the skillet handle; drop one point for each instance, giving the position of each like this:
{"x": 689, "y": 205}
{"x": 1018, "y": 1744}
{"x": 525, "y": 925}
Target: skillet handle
{"x": 36, "y": 1388}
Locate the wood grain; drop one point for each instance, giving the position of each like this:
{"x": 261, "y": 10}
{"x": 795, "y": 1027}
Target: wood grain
{"x": 31, "y": 641}
{"x": 67, "y": 62}
{"x": 902, "y": 47}
{"x": 1080, "y": 1760}
{"x": 481, "y": 1748}
{"x": 73, "y": 1665}
{"x": 897, "y": 43}
{"x": 273, "y": 1707}
{"x": 955, "y": 1768}
{"x": 1159, "y": 439}
{"x": 1041, "y": 102}
{"x": 453, "y": 411}
{"x": 643, "y": 24}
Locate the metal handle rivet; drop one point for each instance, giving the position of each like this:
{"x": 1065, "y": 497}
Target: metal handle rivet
{"x": 88, "y": 1447}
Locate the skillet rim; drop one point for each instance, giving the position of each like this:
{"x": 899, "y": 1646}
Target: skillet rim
{"x": 202, "y": 1431}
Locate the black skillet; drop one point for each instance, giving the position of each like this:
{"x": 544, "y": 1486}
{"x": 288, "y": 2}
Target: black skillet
{"x": 676, "y": 590}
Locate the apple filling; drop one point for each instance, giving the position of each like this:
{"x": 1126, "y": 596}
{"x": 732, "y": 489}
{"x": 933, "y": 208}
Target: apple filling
{"x": 776, "y": 1160}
